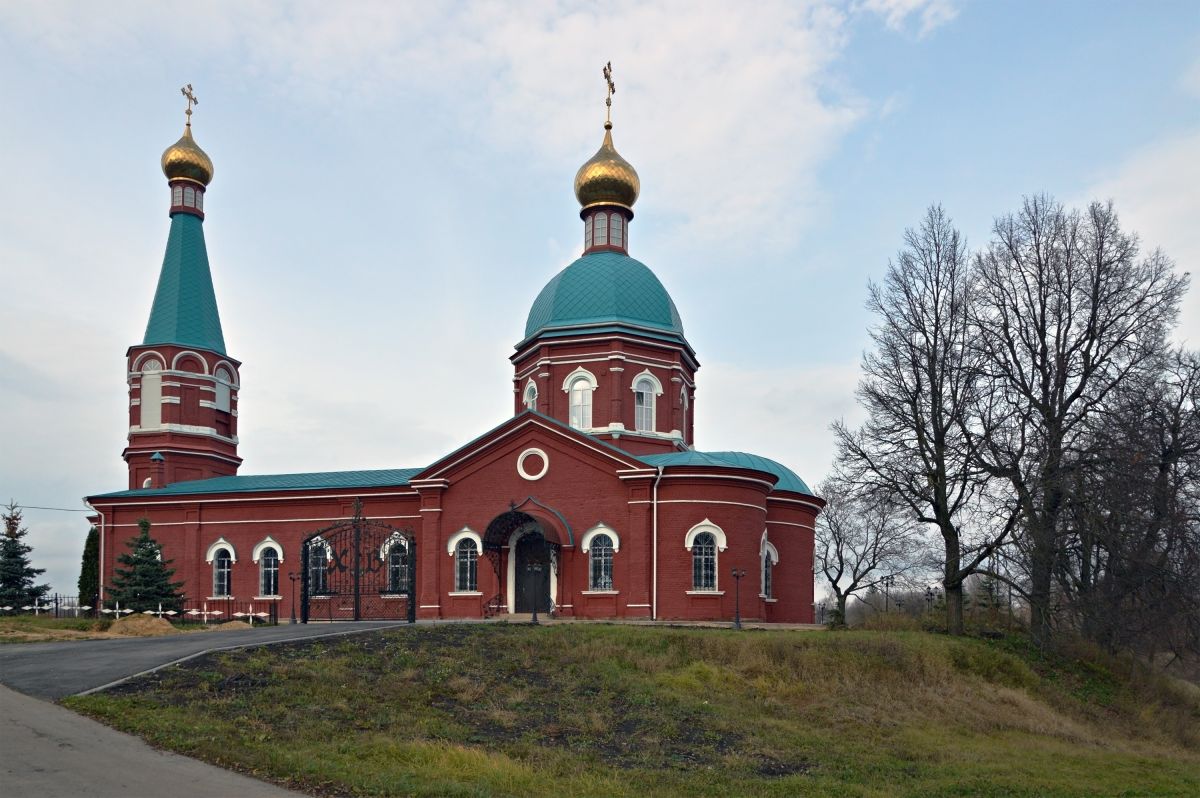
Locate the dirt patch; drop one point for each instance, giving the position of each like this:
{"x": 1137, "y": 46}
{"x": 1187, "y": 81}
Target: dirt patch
{"x": 142, "y": 626}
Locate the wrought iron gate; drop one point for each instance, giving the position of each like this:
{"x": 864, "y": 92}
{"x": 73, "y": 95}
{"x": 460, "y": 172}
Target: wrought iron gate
{"x": 359, "y": 570}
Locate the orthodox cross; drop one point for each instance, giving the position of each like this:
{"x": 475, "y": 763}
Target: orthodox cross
{"x": 186, "y": 91}
{"x": 612, "y": 89}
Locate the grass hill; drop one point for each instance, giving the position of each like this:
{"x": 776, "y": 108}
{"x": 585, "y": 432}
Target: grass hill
{"x": 589, "y": 709}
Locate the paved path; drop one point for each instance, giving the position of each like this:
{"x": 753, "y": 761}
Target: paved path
{"x": 51, "y": 752}
{"x": 55, "y": 670}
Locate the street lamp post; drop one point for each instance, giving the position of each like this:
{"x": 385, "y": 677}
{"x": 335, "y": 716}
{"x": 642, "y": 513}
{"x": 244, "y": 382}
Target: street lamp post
{"x": 737, "y": 574}
{"x": 293, "y": 576}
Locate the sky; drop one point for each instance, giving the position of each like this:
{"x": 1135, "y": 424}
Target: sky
{"x": 393, "y": 186}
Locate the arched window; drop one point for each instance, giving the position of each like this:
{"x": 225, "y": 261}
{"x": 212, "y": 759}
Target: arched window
{"x": 587, "y": 233}
{"x": 268, "y": 572}
{"x": 176, "y": 195}
{"x": 222, "y": 573}
{"x": 600, "y": 229}
{"x": 581, "y": 403}
{"x": 151, "y": 394}
{"x": 189, "y": 196}
{"x": 531, "y": 396}
{"x": 318, "y": 567}
{"x": 683, "y": 412}
{"x": 397, "y": 565}
{"x": 643, "y": 405}
{"x": 466, "y": 566}
{"x": 770, "y": 558}
{"x": 223, "y": 379}
{"x": 617, "y": 232}
{"x": 600, "y": 556}
{"x": 704, "y": 562}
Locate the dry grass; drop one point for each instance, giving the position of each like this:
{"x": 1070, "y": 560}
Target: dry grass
{"x": 607, "y": 710}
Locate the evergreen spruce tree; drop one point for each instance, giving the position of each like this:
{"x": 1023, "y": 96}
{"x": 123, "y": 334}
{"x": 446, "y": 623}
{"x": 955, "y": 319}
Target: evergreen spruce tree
{"x": 145, "y": 581}
{"x": 17, "y": 588}
{"x": 89, "y": 569}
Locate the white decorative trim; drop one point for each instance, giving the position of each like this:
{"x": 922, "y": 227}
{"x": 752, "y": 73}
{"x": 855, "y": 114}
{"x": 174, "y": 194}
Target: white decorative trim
{"x": 217, "y": 545}
{"x": 525, "y": 395}
{"x": 647, "y": 374}
{"x": 385, "y": 548}
{"x": 767, "y": 598}
{"x": 465, "y": 593}
{"x": 521, "y": 464}
{"x": 232, "y": 371}
{"x": 689, "y": 539}
{"x": 175, "y": 361}
{"x": 600, "y": 529}
{"x": 137, "y": 364}
{"x": 268, "y": 598}
{"x": 769, "y": 549}
{"x": 575, "y": 375}
{"x": 705, "y": 592}
{"x": 513, "y": 539}
{"x": 325, "y": 545}
{"x": 599, "y": 592}
{"x": 465, "y": 533}
{"x": 262, "y": 544}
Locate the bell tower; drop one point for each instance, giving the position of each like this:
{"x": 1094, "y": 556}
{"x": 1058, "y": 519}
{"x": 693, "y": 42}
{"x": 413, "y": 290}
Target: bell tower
{"x": 183, "y": 385}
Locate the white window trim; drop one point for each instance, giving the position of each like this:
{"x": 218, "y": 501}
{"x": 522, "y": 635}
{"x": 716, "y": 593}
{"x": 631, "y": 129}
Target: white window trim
{"x": 185, "y": 353}
{"x": 529, "y": 453}
{"x": 385, "y": 548}
{"x": 262, "y": 544}
{"x": 525, "y": 397}
{"x": 217, "y": 545}
{"x": 575, "y": 375}
{"x": 647, "y": 375}
{"x": 600, "y": 529}
{"x": 142, "y": 358}
{"x": 705, "y": 526}
{"x": 465, "y": 533}
{"x": 768, "y": 548}
{"x": 325, "y": 545}
{"x": 233, "y": 383}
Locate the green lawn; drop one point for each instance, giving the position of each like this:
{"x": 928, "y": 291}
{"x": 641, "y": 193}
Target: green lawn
{"x": 586, "y": 709}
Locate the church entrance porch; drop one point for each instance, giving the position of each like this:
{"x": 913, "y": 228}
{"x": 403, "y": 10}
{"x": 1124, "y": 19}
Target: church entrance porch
{"x": 524, "y": 552}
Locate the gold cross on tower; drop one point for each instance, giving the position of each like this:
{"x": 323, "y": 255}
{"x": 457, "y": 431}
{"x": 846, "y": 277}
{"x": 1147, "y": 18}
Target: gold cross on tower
{"x": 612, "y": 89}
{"x": 186, "y": 91}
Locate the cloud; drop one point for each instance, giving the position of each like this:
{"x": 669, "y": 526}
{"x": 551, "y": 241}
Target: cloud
{"x": 727, "y": 115}
{"x": 927, "y": 15}
{"x": 1154, "y": 191}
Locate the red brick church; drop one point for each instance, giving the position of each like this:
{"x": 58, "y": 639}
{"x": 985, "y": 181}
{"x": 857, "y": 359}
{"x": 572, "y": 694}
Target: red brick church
{"x": 590, "y": 501}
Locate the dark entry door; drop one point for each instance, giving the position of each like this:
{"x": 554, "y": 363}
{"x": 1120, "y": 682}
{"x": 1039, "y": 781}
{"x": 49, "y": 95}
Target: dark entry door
{"x": 533, "y": 573}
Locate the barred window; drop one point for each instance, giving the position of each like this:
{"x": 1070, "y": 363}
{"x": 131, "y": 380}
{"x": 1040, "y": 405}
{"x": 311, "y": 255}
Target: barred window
{"x": 768, "y": 566}
{"x": 704, "y": 562}
{"x": 268, "y": 572}
{"x": 222, "y": 573}
{"x": 601, "y": 554}
{"x": 318, "y": 568}
{"x": 466, "y": 558}
{"x": 398, "y": 573}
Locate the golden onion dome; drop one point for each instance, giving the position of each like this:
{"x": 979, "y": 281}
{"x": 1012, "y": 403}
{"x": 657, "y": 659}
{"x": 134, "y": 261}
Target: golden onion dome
{"x": 184, "y": 160}
{"x": 607, "y": 178}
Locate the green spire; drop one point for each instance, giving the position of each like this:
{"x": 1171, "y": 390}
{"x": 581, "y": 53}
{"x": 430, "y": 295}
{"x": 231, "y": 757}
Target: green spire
{"x": 185, "y": 306}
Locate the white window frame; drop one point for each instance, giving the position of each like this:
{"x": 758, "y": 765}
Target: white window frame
{"x": 616, "y": 230}
{"x": 767, "y": 554}
{"x": 222, "y": 571}
{"x": 577, "y": 377}
{"x": 530, "y": 397}
{"x": 466, "y": 547}
{"x": 656, "y": 390}
{"x": 600, "y": 229}
{"x": 262, "y": 569}
{"x": 689, "y": 541}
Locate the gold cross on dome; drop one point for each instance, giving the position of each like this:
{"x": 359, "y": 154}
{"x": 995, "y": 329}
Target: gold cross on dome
{"x": 186, "y": 91}
{"x": 612, "y": 89}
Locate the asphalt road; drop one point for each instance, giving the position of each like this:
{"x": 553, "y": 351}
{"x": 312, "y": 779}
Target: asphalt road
{"x": 54, "y": 670}
{"x": 50, "y": 752}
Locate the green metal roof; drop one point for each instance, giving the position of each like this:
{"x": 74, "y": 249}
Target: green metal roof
{"x": 385, "y": 478}
{"x": 604, "y": 287}
{"x": 787, "y": 477}
{"x": 185, "y": 306}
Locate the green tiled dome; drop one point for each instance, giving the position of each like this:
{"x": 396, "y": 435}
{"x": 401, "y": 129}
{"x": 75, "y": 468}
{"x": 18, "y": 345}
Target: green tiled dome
{"x": 604, "y": 288}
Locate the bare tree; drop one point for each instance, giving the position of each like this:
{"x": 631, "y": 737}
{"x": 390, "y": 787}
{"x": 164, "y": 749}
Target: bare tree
{"x": 918, "y": 387}
{"x": 1068, "y": 311}
{"x": 862, "y": 537}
